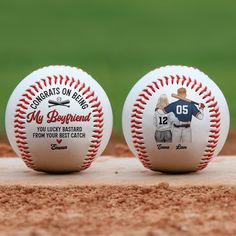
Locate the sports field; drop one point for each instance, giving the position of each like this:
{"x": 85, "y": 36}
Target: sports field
{"x": 117, "y": 42}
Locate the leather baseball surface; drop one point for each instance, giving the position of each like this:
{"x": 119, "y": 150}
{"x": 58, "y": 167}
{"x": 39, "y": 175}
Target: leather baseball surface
{"x": 58, "y": 119}
{"x": 175, "y": 119}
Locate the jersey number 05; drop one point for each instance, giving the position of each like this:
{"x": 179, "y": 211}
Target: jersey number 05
{"x": 182, "y": 110}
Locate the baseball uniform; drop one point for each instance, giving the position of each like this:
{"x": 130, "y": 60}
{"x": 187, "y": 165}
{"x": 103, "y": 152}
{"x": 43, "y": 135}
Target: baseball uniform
{"x": 163, "y": 124}
{"x": 184, "y": 111}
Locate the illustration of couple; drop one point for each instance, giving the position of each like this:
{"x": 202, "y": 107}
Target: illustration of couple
{"x": 173, "y": 120}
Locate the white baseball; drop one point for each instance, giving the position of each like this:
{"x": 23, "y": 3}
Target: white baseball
{"x": 58, "y": 119}
{"x": 170, "y": 133}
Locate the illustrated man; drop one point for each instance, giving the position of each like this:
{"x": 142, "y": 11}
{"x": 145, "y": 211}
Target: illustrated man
{"x": 184, "y": 112}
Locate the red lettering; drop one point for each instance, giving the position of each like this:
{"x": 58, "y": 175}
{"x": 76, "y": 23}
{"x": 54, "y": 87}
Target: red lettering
{"x": 34, "y": 116}
{"x": 53, "y": 116}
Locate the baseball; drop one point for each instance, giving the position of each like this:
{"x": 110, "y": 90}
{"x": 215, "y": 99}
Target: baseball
{"x": 58, "y": 119}
{"x": 175, "y": 119}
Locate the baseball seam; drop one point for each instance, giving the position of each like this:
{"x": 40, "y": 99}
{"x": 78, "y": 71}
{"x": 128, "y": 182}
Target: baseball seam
{"x": 145, "y": 95}
{"x": 22, "y": 107}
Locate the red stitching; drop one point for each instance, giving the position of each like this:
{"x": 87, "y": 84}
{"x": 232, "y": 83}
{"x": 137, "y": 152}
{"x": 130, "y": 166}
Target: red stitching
{"x": 77, "y": 84}
{"x": 39, "y": 85}
{"x": 94, "y": 99}
{"x": 194, "y": 84}
{"x": 20, "y": 137}
{"x": 27, "y": 96}
{"x": 189, "y": 81}
{"x": 25, "y": 151}
{"x": 139, "y": 106}
{"x": 143, "y": 95}
{"x": 137, "y": 137}
{"x": 98, "y": 131}
{"x": 35, "y": 88}
{"x": 136, "y": 111}
{"x": 207, "y": 95}
{"x": 141, "y": 101}
{"x": 18, "y": 115}
{"x": 98, "y": 114}
{"x": 22, "y": 106}
{"x": 213, "y": 141}
{"x": 160, "y": 80}
{"x": 156, "y": 85}
{"x": 166, "y": 80}
{"x": 151, "y": 87}
{"x": 72, "y": 81}
{"x": 26, "y": 156}
{"x": 136, "y": 126}
{"x": 136, "y": 122}
{"x": 98, "y": 117}
{"x": 147, "y": 92}
{"x": 184, "y": 79}
{"x": 66, "y": 80}
{"x": 99, "y": 120}
{"x": 178, "y": 79}
{"x": 98, "y": 126}
{"x": 20, "y": 112}
{"x": 216, "y": 131}
{"x": 21, "y": 142}
{"x": 90, "y": 95}
{"x": 211, "y": 146}
{"x": 82, "y": 87}
{"x": 96, "y": 104}
{"x": 140, "y": 147}
{"x": 215, "y": 126}
{"x": 22, "y": 147}
{"x": 216, "y": 115}
{"x": 16, "y": 121}
{"x": 172, "y": 79}
{"x": 86, "y": 91}
{"x": 213, "y": 105}
{"x": 209, "y": 151}
{"x": 61, "y": 79}
{"x": 49, "y": 80}
{"x": 44, "y": 82}
{"x": 203, "y": 91}
{"x": 136, "y": 116}
{"x": 216, "y": 110}
{"x": 97, "y": 136}
{"x": 30, "y": 91}
{"x": 97, "y": 110}
{"x": 55, "y": 79}
{"x": 96, "y": 141}
{"x": 17, "y": 131}
{"x": 214, "y": 136}
{"x": 133, "y": 131}
{"x": 198, "y": 87}
{"x": 17, "y": 126}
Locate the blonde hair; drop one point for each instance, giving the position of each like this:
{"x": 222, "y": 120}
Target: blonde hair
{"x": 162, "y": 102}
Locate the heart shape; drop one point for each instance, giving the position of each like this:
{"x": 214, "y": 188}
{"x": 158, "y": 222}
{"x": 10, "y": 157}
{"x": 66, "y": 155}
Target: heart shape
{"x": 59, "y": 141}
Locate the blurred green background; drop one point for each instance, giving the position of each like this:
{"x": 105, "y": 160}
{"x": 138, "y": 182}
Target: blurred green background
{"x": 117, "y": 42}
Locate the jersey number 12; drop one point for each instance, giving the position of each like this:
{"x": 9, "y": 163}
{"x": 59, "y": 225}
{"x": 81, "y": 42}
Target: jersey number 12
{"x": 163, "y": 120}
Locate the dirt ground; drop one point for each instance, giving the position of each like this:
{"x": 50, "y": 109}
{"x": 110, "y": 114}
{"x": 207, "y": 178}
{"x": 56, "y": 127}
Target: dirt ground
{"x": 132, "y": 210}
{"x": 118, "y": 210}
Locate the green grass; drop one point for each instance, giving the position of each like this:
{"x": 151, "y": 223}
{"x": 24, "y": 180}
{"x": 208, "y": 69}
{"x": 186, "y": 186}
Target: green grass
{"x": 117, "y": 42}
